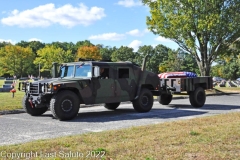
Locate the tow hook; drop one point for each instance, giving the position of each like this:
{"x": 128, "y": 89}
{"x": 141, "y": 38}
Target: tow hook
{"x": 30, "y": 101}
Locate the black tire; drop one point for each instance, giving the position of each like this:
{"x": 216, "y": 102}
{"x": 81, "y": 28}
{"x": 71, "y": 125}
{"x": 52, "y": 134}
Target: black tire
{"x": 112, "y": 106}
{"x": 165, "y": 99}
{"x": 144, "y": 102}
{"x": 197, "y": 97}
{"x": 32, "y": 111}
{"x": 65, "y": 105}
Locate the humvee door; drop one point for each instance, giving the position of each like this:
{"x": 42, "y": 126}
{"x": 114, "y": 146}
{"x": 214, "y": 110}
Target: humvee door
{"x": 125, "y": 83}
{"x": 104, "y": 88}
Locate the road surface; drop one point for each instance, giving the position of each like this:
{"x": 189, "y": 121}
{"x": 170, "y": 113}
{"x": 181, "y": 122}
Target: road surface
{"x": 19, "y": 128}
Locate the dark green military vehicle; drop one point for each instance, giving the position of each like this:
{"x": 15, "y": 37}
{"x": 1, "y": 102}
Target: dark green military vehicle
{"x": 83, "y": 83}
{"x": 110, "y": 83}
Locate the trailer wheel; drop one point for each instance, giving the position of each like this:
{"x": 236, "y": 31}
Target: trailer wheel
{"x": 112, "y": 106}
{"x": 144, "y": 102}
{"x": 32, "y": 110}
{"x": 65, "y": 105}
{"x": 165, "y": 99}
{"x": 197, "y": 97}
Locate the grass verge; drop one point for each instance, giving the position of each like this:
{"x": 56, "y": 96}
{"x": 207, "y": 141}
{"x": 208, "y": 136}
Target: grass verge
{"x": 215, "y": 137}
{"x": 7, "y": 102}
{"x": 228, "y": 89}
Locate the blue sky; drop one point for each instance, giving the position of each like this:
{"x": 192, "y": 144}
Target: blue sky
{"x": 108, "y": 22}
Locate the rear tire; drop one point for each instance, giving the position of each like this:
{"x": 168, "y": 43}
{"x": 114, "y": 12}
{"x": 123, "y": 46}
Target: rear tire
{"x": 197, "y": 97}
{"x": 144, "y": 102}
{"x": 112, "y": 106}
{"x": 165, "y": 99}
{"x": 32, "y": 111}
{"x": 65, "y": 105}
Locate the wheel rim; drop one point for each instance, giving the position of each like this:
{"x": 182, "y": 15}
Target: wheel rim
{"x": 200, "y": 97}
{"x": 145, "y": 100}
{"x": 67, "y": 105}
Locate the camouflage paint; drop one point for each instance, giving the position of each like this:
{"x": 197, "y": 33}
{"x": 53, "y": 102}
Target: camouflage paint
{"x": 92, "y": 90}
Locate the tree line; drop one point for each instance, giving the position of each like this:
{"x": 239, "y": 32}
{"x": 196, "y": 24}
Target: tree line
{"x": 26, "y": 58}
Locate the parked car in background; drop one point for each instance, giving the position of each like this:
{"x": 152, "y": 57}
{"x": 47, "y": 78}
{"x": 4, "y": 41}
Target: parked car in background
{"x": 238, "y": 79}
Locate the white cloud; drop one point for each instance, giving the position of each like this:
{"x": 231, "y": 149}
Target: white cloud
{"x": 8, "y": 40}
{"x": 154, "y": 45}
{"x": 108, "y": 36}
{"x": 137, "y": 32}
{"x": 162, "y": 39}
{"x": 129, "y": 3}
{"x": 48, "y": 14}
{"x": 135, "y": 45}
{"x": 34, "y": 39}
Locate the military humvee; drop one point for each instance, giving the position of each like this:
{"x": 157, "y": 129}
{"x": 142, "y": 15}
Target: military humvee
{"x": 110, "y": 83}
{"x": 82, "y": 83}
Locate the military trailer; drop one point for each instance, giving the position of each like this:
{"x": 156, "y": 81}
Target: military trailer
{"x": 108, "y": 83}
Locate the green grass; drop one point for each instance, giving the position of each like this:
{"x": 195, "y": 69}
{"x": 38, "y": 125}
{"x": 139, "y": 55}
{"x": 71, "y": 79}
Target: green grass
{"x": 9, "y": 103}
{"x": 215, "y": 137}
{"x": 227, "y": 89}
{"x": 1, "y": 83}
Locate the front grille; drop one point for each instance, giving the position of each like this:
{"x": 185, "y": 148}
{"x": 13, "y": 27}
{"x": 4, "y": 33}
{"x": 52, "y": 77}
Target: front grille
{"x": 34, "y": 88}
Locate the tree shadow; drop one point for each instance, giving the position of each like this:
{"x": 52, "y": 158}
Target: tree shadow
{"x": 207, "y": 107}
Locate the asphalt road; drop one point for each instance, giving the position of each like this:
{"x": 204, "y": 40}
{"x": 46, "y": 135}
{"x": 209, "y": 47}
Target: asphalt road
{"x": 19, "y": 128}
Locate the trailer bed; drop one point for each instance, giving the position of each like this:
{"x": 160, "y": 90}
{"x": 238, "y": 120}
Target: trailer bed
{"x": 187, "y": 84}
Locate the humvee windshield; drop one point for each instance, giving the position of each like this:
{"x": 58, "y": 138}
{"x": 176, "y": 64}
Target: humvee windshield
{"x": 80, "y": 71}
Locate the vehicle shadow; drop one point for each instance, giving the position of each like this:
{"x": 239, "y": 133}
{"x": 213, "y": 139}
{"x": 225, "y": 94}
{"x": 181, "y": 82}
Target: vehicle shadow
{"x": 131, "y": 114}
{"x": 121, "y": 114}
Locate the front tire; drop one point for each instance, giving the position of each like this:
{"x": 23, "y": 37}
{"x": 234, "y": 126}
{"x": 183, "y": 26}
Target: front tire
{"x": 197, "y": 97}
{"x": 144, "y": 102}
{"x": 32, "y": 111}
{"x": 165, "y": 99}
{"x": 65, "y": 105}
{"x": 112, "y": 106}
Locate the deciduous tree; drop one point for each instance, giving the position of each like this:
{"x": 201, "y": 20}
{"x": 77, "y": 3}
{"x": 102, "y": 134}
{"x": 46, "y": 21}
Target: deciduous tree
{"x": 156, "y": 56}
{"x": 16, "y": 60}
{"x": 50, "y": 54}
{"x": 88, "y": 52}
{"x": 123, "y": 53}
{"x": 106, "y": 52}
{"x": 204, "y": 29}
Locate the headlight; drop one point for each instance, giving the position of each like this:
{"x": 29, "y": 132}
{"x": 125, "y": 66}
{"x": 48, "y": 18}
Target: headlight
{"x": 28, "y": 88}
{"x": 42, "y": 88}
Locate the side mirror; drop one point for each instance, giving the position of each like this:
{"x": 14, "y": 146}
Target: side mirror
{"x": 96, "y": 71}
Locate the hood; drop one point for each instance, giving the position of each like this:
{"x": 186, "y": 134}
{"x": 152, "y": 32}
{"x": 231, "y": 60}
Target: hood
{"x": 58, "y": 80}
{"x": 45, "y": 80}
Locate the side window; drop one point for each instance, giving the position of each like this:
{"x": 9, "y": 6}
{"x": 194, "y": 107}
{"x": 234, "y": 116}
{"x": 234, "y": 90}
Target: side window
{"x": 123, "y": 73}
{"x": 104, "y": 73}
